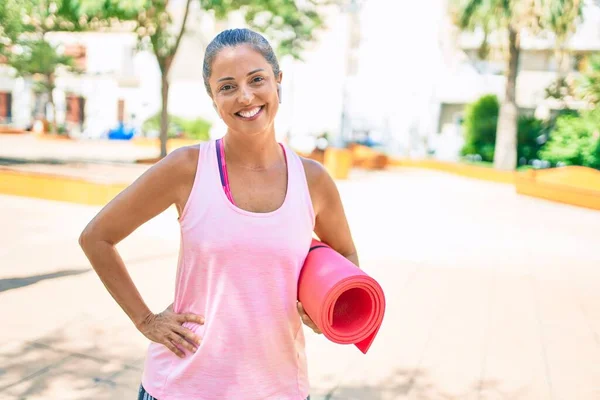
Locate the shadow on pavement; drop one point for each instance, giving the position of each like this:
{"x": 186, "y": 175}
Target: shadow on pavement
{"x": 15, "y": 283}
{"x": 418, "y": 384}
{"x": 21, "y": 161}
{"x": 101, "y": 367}
{"x": 83, "y": 360}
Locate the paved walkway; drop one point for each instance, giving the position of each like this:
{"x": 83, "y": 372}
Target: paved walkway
{"x": 490, "y": 295}
{"x": 30, "y": 147}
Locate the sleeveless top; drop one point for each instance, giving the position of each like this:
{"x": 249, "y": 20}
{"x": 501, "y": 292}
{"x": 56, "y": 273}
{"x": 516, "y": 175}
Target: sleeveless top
{"x": 239, "y": 269}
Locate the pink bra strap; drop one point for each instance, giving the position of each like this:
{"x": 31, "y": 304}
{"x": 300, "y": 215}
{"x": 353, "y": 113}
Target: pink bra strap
{"x": 223, "y": 168}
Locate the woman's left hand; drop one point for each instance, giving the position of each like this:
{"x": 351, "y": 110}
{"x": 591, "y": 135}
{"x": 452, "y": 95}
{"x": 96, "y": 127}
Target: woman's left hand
{"x": 307, "y": 320}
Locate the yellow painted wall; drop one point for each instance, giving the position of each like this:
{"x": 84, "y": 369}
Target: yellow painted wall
{"x": 172, "y": 144}
{"x": 578, "y": 186}
{"x": 471, "y": 171}
{"x": 50, "y": 187}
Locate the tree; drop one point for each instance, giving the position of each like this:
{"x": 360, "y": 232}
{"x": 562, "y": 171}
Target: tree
{"x": 157, "y": 30}
{"x": 10, "y": 26}
{"x": 40, "y": 61}
{"x": 575, "y": 140}
{"x": 510, "y": 18}
{"x": 24, "y": 29}
{"x": 589, "y": 84}
{"x": 561, "y": 18}
{"x": 480, "y": 123}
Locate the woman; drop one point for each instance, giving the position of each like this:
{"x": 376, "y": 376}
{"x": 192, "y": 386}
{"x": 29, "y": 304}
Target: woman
{"x": 247, "y": 209}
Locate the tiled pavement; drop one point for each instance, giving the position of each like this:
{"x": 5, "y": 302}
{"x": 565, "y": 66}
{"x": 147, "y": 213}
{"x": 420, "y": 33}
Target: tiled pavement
{"x": 490, "y": 295}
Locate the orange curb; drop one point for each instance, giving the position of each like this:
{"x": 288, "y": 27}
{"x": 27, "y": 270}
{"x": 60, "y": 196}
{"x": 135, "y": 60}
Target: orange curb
{"x": 338, "y": 162}
{"x": 52, "y": 137}
{"x": 55, "y": 187}
{"x": 471, "y": 171}
{"x": 12, "y": 131}
{"x": 579, "y": 186}
{"x": 172, "y": 144}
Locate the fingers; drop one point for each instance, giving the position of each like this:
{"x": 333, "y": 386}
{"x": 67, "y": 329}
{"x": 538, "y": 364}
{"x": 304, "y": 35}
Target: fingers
{"x": 307, "y": 320}
{"x": 174, "y": 349}
{"x": 190, "y": 318}
{"x": 189, "y": 335}
{"x": 179, "y": 340}
{"x": 310, "y": 323}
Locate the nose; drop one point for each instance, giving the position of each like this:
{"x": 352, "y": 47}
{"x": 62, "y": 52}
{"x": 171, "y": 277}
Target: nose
{"x": 246, "y": 95}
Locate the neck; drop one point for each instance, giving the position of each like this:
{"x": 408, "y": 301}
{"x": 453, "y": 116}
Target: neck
{"x": 255, "y": 152}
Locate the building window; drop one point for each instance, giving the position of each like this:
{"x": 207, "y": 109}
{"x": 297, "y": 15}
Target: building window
{"x": 79, "y": 54}
{"x": 5, "y": 107}
{"x": 75, "y": 109}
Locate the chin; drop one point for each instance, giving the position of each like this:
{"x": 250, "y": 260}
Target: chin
{"x": 254, "y": 132}
{"x": 252, "y": 128}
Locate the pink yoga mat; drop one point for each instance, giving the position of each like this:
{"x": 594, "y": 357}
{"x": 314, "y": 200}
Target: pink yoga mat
{"x": 344, "y": 302}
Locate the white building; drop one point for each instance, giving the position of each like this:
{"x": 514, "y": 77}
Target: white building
{"x": 120, "y": 82}
{"x": 463, "y": 78}
{"x": 416, "y": 74}
{"x": 400, "y": 73}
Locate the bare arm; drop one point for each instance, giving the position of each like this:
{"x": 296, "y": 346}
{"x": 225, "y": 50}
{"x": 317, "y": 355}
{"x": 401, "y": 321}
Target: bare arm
{"x": 166, "y": 183}
{"x": 331, "y": 225}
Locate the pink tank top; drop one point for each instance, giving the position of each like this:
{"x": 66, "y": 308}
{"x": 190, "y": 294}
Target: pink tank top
{"x": 240, "y": 270}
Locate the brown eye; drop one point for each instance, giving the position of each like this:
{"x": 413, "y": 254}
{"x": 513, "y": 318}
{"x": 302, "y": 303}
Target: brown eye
{"x": 257, "y": 79}
{"x": 225, "y": 88}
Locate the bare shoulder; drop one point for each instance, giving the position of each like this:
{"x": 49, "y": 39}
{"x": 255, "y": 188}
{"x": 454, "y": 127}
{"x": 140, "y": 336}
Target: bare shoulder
{"x": 179, "y": 166}
{"x": 185, "y": 159}
{"x": 314, "y": 170}
{"x": 175, "y": 172}
{"x": 320, "y": 184}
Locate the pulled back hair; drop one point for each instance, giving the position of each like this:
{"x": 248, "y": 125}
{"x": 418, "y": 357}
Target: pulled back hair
{"x": 232, "y": 38}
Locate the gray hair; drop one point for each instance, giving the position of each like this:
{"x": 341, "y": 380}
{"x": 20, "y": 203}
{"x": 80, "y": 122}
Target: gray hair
{"x": 232, "y": 38}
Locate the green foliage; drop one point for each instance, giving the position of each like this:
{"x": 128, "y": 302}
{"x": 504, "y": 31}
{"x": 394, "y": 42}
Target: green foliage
{"x": 481, "y": 119}
{"x": 10, "y": 25}
{"x": 487, "y": 15}
{"x": 557, "y": 16}
{"x": 289, "y": 26}
{"x": 23, "y": 28}
{"x": 197, "y": 129}
{"x": 575, "y": 140}
{"x": 154, "y": 25}
{"x": 560, "y": 17}
{"x": 38, "y": 17}
{"x": 38, "y": 57}
{"x": 24, "y": 25}
{"x": 508, "y": 19}
{"x": 480, "y": 123}
{"x": 529, "y": 130}
{"x": 589, "y": 84}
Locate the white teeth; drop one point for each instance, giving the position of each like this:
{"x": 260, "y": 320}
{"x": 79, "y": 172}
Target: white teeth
{"x": 249, "y": 114}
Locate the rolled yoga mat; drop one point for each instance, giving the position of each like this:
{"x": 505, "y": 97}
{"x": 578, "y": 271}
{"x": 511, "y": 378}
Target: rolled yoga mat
{"x": 345, "y": 303}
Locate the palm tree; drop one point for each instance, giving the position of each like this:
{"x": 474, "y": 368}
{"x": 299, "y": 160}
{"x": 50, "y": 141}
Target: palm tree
{"x": 589, "y": 84}
{"x": 561, "y": 18}
{"x": 511, "y": 18}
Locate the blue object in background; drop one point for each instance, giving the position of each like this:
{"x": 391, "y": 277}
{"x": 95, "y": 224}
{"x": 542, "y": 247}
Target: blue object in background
{"x": 121, "y": 132}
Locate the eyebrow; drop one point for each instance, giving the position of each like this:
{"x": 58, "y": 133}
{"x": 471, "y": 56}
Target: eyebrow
{"x": 229, "y": 78}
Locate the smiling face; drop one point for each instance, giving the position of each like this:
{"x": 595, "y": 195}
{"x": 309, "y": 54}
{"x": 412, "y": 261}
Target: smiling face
{"x": 244, "y": 90}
